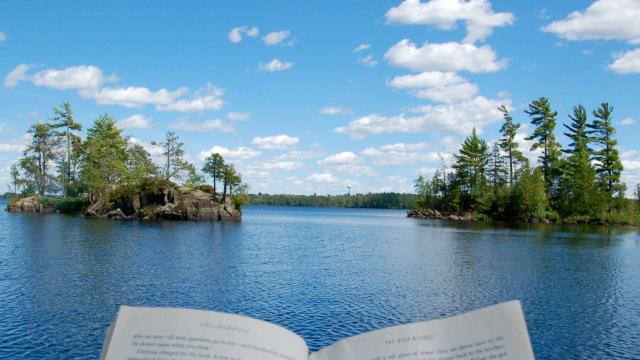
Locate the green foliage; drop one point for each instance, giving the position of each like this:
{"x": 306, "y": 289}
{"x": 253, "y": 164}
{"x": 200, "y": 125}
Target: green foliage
{"x": 104, "y": 157}
{"x": 545, "y": 122}
{"x": 608, "y": 164}
{"x": 370, "y": 200}
{"x": 194, "y": 179}
{"x": 175, "y": 166}
{"x": 471, "y": 165}
{"x": 529, "y": 200}
{"x": 71, "y": 205}
{"x": 64, "y": 128}
{"x": 139, "y": 164}
{"x": 36, "y": 158}
{"x": 214, "y": 167}
{"x": 508, "y": 144}
{"x": 581, "y": 187}
{"x": 579, "y": 195}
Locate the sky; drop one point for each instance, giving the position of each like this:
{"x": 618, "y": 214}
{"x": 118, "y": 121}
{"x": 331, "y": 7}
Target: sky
{"x": 309, "y": 97}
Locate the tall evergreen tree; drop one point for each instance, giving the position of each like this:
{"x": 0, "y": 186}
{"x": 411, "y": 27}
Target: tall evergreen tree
{"x": 214, "y": 167}
{"x": 37, "y": 156}
{"x": 545, "y": 122}
{"x": 608, "y": 164}
{"x": 498, "y": 173}
{"x": 65, "y": 128}
{"x": 104, "y": 157}
{"x": 579, "y": 175}
{"x": 230, "y": 178}
{"x": 174, "y": 165}
{"x": 471, "y": 165}
{"x": 508, "y": 144}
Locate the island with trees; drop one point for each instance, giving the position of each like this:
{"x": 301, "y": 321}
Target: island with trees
{"x": 108, "y": 175}
{"x": 577, "y": 184}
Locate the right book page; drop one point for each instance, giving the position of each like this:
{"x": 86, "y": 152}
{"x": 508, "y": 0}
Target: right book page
{"x": 495, "y": 332}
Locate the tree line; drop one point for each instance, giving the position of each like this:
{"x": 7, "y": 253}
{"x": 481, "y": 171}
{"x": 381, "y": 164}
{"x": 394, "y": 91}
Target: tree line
{"x": 369, "y": 200}
{"x": 58, "y": 162}
{"x": 578, "y": 183}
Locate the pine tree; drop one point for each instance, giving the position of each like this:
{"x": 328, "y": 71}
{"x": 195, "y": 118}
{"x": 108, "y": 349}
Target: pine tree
{"x": 579, "y": 174}
{"x": 471, "y": 165}
{"x": 64, "y": 126}
{"x": 230, "y": 178}
{"x": 36, "y": 158}
{"x": 608, "y": 164}
{"x": 104, "y": 157}
{"x": 498, "y": 173}
{"x": 529, "y": 196}
{"x": 214, "y": 167}
{"x": 174, "y": 165}
{"x": 508, "y": 144}
{"x": 545, "y": 121}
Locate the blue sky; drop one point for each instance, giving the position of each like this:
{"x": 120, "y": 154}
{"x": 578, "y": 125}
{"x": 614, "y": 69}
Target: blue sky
{"x": 308, "y": 97}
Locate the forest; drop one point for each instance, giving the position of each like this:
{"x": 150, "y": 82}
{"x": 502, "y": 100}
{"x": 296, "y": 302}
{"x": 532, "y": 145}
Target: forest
{"x": 370, "y": 200}
{"x": 576, "y": 184}
{"x": 72, "y": 171}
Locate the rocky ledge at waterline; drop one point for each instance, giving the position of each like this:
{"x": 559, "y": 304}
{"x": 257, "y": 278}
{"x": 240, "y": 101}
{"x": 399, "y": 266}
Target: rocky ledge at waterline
{"x": 164, "y": 204}
{"x": 435, "y": 214}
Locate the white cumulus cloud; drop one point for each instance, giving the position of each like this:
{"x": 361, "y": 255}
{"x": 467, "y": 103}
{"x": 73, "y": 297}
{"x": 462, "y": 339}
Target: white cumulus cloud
{"x": 239, "y": 116}
{"x": 239, "y": 153}
{"x": 275, "y": 65}
{"x": 627, "y": 121}
{"x": 276, "y": 37}
{"x": 206, "y": 98}
{"x": 400, "y": 153}
{"x": 602, "y": 20}
{"x": 135, "y": 96}
{"x": 343, "y": 158}
{"x": 361, "y": 47}
{"x": 235, "y": 34}
{"x": 334, "y": 110}
{"x": 436, "y": 85}
{"x": 627, "y": 62}
{"x": 89, "y": 81}
{"x": 457, "y": 118}
{"x": 82, "y": 77}
{"x": 450, "y": 56}
{"x": 478, "y": 16}
{"x": 207, "y": 125}
{"x": 136, "y": 121}
{"x": 281, "y": 141}
{"x": 322, "y": 177}
{"x": 368, "y": 61}
{"x": 3, "y": 37}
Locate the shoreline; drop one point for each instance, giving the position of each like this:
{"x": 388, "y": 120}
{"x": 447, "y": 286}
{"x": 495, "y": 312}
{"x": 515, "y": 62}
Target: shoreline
{"x": 429, "y": 214}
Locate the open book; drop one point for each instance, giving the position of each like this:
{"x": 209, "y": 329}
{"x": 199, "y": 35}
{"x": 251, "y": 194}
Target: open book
{"x": 495, "y": 332}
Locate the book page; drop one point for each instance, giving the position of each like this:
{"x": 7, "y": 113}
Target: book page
{"x": 165, "y": 333}
{"x": 495, "y": 332}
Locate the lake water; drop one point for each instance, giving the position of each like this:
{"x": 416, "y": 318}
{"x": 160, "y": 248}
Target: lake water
{"x": 323, "y": 273}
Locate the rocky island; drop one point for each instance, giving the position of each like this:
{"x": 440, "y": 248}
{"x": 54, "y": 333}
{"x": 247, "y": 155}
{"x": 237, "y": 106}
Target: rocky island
{"x": 108, "y": 176}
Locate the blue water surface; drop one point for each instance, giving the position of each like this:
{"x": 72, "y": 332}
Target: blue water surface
{"x": 324, "y": 273}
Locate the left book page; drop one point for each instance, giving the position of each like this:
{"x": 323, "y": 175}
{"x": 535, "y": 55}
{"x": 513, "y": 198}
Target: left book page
{"x": 141, "y": 333}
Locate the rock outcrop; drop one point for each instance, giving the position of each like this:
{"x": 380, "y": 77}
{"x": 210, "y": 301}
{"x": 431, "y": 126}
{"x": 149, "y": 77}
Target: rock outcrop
{"x": 165, "y": 204}
{"x": 435, "y": 214}
{"x": 31, "y": 204}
